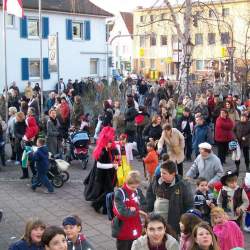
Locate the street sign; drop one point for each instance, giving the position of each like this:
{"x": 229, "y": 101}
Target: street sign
{"x": 168, "y": 60}
{"x": 223, "y": 52}
{"x": 141, "y": 52}
{"x": 52, "y": 39}
{"x": 230, "y": 51}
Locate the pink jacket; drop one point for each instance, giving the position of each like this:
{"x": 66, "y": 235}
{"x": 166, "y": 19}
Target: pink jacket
{"x": 185, "y": 241}
{"x": 229, "y": 235}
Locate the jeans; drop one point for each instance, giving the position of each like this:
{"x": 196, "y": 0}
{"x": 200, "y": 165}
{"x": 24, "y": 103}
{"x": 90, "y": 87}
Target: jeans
{"x": 44, "y": 180}
{"x": 141, "y": 100}
{"x": 245, "y": 151}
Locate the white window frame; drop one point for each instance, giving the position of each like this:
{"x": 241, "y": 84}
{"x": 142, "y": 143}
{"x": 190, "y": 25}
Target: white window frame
{"x": 13, "y": 21}
{"x": 97, "y": 60}
{"x": 34, "y": 77}
{"x": 81, "y": 30}
{"x": 33, "y": 19}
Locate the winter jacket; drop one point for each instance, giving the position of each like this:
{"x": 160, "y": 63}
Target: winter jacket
{"x": 230, "y": 199}
{"x": 126, "y": 224}
{"x": 224, "y": 129}
{"x": 186, "y": 125}
{"x": 216, "y": 111}
{"x": 209, "y": 168}
{"x": 80, "y": 244}
{"x": 151, "y": 162}
{"x": 152, "y": 132}
{"x": 233, "y": 115}
{"x": 202, "y": 133}
{"x": 41, "y": 157}
{"x": 19, "y": 130}
{"x": 242, "y": 129}
{"x": 52, "y": 135}
{"x": 32, "y": 129}
{"x": 10, "y": 127}
{"x": 179, "y": 194}
{"x": 142, "y": 243}
{"x": 175, "y": 145}
{"x": 130, "y": 115}
{"x": 23, "y": 245}
{"x": 229, "y": 235}
{"x": 107, "y": 117}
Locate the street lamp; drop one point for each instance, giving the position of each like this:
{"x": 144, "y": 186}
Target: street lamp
{"x": 188, "y": 61}
{"x": 230, "y": 50}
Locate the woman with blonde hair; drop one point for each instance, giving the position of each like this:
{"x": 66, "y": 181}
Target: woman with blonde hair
{"x": 204, "y": 238}
{"x": 31, "y": 240}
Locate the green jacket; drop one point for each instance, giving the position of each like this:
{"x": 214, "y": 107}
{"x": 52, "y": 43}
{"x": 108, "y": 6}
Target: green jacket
{"x": 179, "y": 194}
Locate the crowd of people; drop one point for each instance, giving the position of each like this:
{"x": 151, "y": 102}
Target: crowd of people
{"x": 162, "y": 131}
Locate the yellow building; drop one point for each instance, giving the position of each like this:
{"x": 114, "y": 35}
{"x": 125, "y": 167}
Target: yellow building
{"x": 215, "y": 27}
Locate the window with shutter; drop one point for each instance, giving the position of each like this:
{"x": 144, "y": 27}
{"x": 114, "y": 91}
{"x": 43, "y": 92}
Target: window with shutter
{"x": 87, "y": 30}
{"x": 45, "y": 27}
{"x": 25, "y": 69}
{"x": 23, "y": 27}
{"x": 69, "y": 34}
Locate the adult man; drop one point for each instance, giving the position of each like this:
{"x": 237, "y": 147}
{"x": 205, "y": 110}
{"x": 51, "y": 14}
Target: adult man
{"x": 60, "y": 86}
{"x": 202, "y": 133}
{"x": 169, "y": 195}
{"x": 206, "y": 165}
{"x": 186, "y": 127}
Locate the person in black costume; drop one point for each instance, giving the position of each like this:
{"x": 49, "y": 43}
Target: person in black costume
{"x": 102, "y": 177}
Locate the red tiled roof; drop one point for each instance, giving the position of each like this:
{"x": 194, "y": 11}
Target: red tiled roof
{"x": 70, "y": 6}
{"x": 128, "y": 20}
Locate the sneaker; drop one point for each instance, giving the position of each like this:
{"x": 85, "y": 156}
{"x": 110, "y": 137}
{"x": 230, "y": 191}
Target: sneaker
{"x": 47, "y": 192}
{"x": 17, "y": 163}
{"x": 9, "y": 161}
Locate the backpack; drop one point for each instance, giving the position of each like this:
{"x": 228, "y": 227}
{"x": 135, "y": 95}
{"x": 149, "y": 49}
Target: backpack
{"x": 110, "y": 203}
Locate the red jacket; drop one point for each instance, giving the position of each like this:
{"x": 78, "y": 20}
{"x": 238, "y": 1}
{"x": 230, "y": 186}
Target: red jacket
{"x": 32, "y": 128}
{"x": 151, "y": 162}
{"x": 224, "y": 130}
{"x": 131, "y": 228}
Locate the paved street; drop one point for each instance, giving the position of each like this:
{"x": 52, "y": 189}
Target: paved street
{"x": 20, "y": 203}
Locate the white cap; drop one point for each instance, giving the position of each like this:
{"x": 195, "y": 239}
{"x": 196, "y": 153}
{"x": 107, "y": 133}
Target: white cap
{"x": 205, "y": 145}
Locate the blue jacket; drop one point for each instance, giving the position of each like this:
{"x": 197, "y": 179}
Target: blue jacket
{"x": 23, "y": 245}
{"x": 202, "y": 133}
{"x": 41, "y": 157}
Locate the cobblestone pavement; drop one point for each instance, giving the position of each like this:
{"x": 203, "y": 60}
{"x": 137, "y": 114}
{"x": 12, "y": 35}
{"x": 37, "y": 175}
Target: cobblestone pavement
{"x": 19, "y": 203}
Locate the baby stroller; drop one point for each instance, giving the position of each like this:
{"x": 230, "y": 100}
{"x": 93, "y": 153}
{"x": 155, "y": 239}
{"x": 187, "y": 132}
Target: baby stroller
{"x": 57, "y": 173}
{"x": 78, "y": 147}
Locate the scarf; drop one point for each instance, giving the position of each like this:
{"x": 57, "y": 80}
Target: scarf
{"x": 54, "y": 121}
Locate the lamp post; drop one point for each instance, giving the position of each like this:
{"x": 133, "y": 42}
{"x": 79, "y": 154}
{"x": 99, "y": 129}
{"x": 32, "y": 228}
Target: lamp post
{"x": 230, "y": 50}
{"x": 188, "y": 61}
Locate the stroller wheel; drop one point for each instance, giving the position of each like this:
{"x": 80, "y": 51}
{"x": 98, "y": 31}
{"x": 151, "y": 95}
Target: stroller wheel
{"x": 84, "y": 163}
{"x": 65, "y": 176}
{"x": 57, "y": 181}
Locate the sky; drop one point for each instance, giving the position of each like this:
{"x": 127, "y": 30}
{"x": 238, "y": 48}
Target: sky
{"x": 114, "y": 6}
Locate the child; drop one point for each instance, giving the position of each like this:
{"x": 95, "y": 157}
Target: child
{"x": 246, "y": 187}
{"x": 72, "y": 226}
{"x": 232, "y": 198}
{"x": 125, "y": 156}
{"x": 187, "y": 223}
{"x": 41, "y": 157}
{"x": 228, "y": 232}
{"x": 203, "y": 198}
{"x": 164, "y": 157}
{"x": 151, "y": 160}
{"x": 128, "y": 201}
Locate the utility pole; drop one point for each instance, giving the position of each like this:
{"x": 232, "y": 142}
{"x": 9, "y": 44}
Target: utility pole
{"x": 41, "y": 54}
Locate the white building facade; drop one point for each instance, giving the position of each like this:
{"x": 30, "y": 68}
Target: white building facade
{"x": 121, "y": 42}
{"x": 81, "y": 39}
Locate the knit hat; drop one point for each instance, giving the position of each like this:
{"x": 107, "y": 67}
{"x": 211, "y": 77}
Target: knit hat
{"x": 228, "y": 174}
{"x": 205, "y": 145}
{"x": 195, "y": 212}
{"x": 70, "y": 220}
